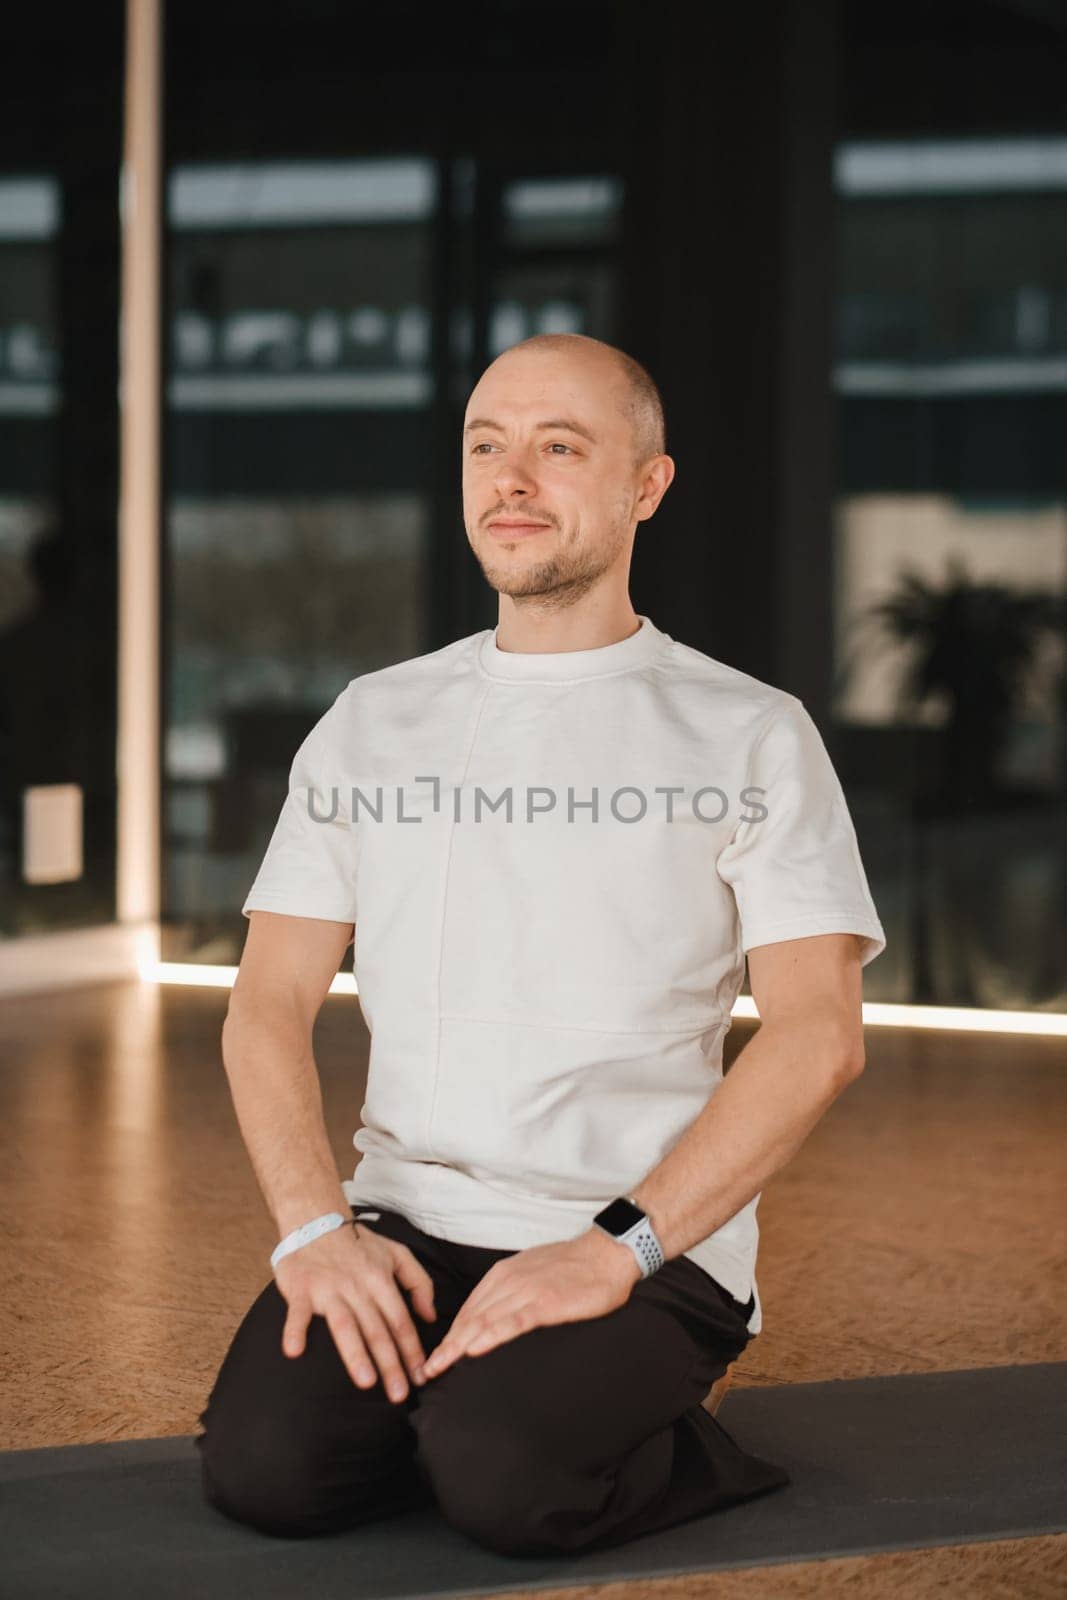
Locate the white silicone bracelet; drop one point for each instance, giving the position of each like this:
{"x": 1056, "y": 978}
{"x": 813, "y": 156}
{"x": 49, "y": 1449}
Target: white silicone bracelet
{"x": 305, "y": 1234}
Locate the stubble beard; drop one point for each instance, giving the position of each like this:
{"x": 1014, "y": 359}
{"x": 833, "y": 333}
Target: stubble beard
{"x": 560, "y": 579}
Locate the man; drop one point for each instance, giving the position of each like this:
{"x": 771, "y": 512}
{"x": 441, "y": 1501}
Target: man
{"x": 554, "y": 843}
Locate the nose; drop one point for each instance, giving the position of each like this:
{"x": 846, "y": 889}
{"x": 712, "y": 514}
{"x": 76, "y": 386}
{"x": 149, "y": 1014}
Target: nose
{"x": 513, "y": 477}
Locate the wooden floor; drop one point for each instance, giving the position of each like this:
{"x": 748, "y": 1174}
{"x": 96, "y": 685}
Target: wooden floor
{"x": 919, "y": 1229}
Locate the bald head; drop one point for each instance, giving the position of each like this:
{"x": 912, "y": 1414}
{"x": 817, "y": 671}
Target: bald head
{"x": 637, "y": 395}
{"x": 563, "y": 442}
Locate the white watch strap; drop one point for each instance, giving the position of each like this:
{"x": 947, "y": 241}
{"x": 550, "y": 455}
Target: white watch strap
{"x": 306, "y": 1233}
{"x": 642, "y": 1240}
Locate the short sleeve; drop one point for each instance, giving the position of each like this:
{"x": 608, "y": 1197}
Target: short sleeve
{"x": 309, "y": 869}
{"x": 796, "y": 871}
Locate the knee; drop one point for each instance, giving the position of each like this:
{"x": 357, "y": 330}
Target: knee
{"x": 487, "y": 1488}
{"x": 252, "y": 1482}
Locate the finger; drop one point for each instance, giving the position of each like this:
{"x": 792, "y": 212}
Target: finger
{"x": 345, "y": 1332}
{"x": 296, "y": 1326}
{"x": 428, "y": 1300}
{"x": 484, "y": 1293}
{"x": 480, "y": 1305}
{"x": 475, "y": 1343}
{"x": 410, "y": 1272}
{"x": 451, "y": 1346}
{"x": 521, "y": 1320}
{"x": 472, "y": 1317}
{"x": 398, "y": 1320}
{"x": 490, "y": 1329}
{"x": 378, "y": 1336}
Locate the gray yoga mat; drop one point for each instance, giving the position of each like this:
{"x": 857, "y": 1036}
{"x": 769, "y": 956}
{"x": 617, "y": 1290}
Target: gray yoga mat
{"x": 877, "y": 1464}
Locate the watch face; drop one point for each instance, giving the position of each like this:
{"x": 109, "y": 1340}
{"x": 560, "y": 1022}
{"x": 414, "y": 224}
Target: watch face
{"x": 620, "y": 1216}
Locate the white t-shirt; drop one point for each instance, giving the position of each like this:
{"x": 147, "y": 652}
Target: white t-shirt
{"x": 547, "y": 992}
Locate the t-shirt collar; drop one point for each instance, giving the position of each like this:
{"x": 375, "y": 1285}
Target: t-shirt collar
{"x": 562, "y": 666}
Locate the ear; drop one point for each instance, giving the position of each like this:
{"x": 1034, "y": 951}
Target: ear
{"x": 659, "y": 475}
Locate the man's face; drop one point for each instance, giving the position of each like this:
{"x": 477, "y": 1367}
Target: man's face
{"x": 576, "y": 494}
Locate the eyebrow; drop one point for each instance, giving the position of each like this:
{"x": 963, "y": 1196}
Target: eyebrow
{"x": 565, "y": 424}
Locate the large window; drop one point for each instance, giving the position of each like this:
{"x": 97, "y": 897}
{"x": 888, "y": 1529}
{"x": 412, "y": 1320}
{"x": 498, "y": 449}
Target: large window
{"x": 59, "y": 350}
{"x": 298, "y": 414}
{"x": 951, "y": 557}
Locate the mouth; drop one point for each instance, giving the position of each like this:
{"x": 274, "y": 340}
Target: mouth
{"x": 516, "y": 530}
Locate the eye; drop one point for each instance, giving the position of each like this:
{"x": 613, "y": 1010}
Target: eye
{"x": 487, "y": 445}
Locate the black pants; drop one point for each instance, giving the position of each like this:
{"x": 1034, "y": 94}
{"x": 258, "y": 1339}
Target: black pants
{"x": 570, "y": 1437}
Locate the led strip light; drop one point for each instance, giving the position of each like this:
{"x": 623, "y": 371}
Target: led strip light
{"x": 876, "y": 1013}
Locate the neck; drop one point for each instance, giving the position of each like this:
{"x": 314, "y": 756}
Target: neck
{"x": 530, "y": 631}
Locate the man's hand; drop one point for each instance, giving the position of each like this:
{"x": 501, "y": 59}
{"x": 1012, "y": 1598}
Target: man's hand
{"x": 571, "y": 1281}
{"x": 354, "y": 1283}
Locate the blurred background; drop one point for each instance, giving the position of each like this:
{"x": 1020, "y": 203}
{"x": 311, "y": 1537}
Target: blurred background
{"x": 835, "y": 232}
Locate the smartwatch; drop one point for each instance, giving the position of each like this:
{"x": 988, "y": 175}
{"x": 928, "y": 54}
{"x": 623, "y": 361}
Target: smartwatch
{"x": 624, "y": 1220}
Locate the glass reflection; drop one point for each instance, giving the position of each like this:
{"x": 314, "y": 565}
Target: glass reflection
{"x": 57, "y": 777}
{"x": 298, "y": 401}
{"x": 951, "y": 557}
